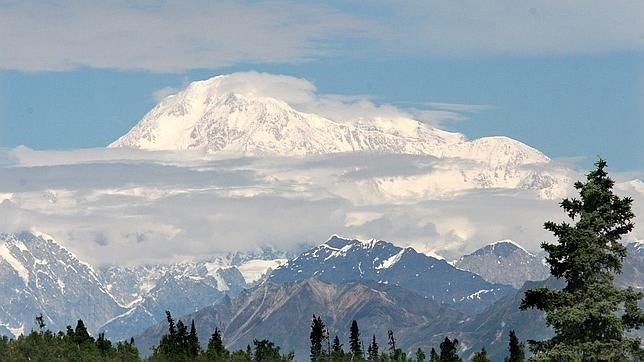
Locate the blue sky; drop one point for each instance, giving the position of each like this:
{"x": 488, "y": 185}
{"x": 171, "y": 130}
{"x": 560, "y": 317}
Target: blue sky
{"x": 566, "y": 79}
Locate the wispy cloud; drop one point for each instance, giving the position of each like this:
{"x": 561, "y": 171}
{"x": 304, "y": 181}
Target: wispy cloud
{"x": 173, "y": 36}
{"x": 166, "y": 36}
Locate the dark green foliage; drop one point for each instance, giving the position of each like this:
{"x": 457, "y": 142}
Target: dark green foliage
{"x": 267, "y": 351}
{"x": 70, "y": 346}
{"x": 40, "y": 322}
{"x": 372, "y": 350}
{"x": 179, "y": 344}
{"x": 590, "y": 315}
{"x": 480, "y": 356}
{"x": 337, "y": 353}
{"x": 317, "y": 338}
{"x": 449, "y": 351}
{"x": 433, "y": 356}
{"x": 516, "y": 349}
{"x": 81, "y": 335}
{"x": 193, "y": 341}
{"x": 420, "y": 355}
{"x": 355, "y": 346}
{"x": 216, "y": 349}
{"x": 395, "y": 354}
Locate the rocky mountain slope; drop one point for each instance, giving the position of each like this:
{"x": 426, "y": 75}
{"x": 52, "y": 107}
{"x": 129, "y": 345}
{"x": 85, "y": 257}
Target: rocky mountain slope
{"x": 504, "y": 262}
{"x": 38, "y": 275}
{"x": 283, "y": 313}
{"x": 340, "y": 260}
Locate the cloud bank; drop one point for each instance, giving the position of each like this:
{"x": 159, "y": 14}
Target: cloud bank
{"x": 122, "y": 206}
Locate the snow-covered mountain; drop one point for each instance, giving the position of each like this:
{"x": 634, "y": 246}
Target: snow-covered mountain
{"x": 504, "y": 262}
{"x": 38, "y": 275}
{"x": 213, "y": 117}
{"x": 150, "y": 290}
{"x": 206, "y": 116}
{"x": 340, "y": 260}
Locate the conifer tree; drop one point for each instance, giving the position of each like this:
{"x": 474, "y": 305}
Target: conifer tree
{"x": 420, "y": 355}
{"x": 104, "y": 345}
{"x": 81, "y": 335}
{"x": 337, "y": 353}
{"x": 590, "y": 315}
{"x": 216, "y": 348}
{"x": 433, "y": 356}
{"x": 395, "y": 354}
{"x": 516, "y": 349}
{"x": 480, "y": 356}
{"x": 193, "y": 341}
{"x": 317, "y": 338}
{"x": 449, "y": 351}
{"x": 372, "y": 351}
{"x": 355, "y": 346}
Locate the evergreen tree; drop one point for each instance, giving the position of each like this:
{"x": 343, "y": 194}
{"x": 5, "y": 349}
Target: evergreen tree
{"x": 590, "y": 315}
{"x": 396, "y": 354}
{"x": 480, "y": 356}
{"x": 420, "y": 355}
{"x": 267, "y": 351}
{"x": 104, "y": 345}
{"x": 355, "y": 346}
{"x": 317, "y": 338}
{"x": 337, "y": 353}
{"x": 449, "y": 351}
{"x": 517, "y": 353}
{"x": 372, "y": 351}
{"x": 433, "y": 356}
{"x": 193, "y": 341}
{"x": 40, "y": 322}
{"x": 81, "y": 335}
{"x": 216, "y": 349}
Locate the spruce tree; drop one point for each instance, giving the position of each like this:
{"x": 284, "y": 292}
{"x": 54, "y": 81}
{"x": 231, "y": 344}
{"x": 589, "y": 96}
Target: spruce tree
{"x": 337, "y": 353}
{"x": 193, "y": 341}
{"x": 516, "y": 349}
{"x": 449, "y": 351}
{"x": 372, "y": 351}
{"x": 81, "y": 335}
{"x": 590, "y": 315}
{"x": 216, "y": 348}
{"x": 355, "y": 345}
{"x": 433, "y": 356}
{"x": 317, "y": 338}
{"x": 480, "y": 356}
{"x": 420, "y": 355}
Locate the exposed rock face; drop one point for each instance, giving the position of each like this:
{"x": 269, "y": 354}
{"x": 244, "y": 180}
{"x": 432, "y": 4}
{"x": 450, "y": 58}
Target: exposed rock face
{"x": 38, "y": 276}
{"x": 340, "y": 260}
{"x": 504, "y": 262}
{"x": 282, "y": 312}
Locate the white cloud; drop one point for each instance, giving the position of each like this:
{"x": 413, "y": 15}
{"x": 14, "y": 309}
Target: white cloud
{"x": 164, "y": 36}
{"x": 129, "y": 206}
{"x": 174, "y": 36}
{"x": 161, "y": 93}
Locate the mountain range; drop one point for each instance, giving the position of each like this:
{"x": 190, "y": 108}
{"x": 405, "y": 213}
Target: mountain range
{"x": 375, "y": 282}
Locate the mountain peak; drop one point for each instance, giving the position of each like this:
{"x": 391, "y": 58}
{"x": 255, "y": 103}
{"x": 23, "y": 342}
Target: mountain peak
{"x": 236, "y": 114}
{"x": 502, "y": 248}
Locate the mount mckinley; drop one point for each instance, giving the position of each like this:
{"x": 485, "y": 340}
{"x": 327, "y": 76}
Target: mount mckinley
{"x": 216, "y": 117}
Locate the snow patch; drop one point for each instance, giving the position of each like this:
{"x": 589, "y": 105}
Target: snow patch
{"x": 14, "y": 263}
{"x": 253, "y": 270}
{"x": 389, "y": 262}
